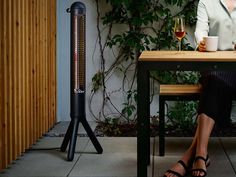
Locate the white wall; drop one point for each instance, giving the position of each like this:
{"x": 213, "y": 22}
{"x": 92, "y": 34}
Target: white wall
{"x": 92, "y": 62}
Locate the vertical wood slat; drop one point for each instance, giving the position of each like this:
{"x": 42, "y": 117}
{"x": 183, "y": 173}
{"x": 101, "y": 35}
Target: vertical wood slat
{"x": 4, "y": 88}
{"x": 14, "y": 80}
{"x": 32, "y": 55}
{"x": 1, "y": 90}
{"x": 27, "y": 74}
{"x": 53, "y": 79}
{"x": 26, "y": 128}
{"x": 9, "y": 76}
{"x": 37, "y": 71}
{"x": 33, "y": 70}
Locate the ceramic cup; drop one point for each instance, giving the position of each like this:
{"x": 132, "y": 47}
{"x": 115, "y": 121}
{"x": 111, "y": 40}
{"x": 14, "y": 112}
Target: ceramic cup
{"x": 211, "y": 43}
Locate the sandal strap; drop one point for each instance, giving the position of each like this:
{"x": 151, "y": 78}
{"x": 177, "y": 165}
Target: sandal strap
{"x": 201, "y": 158}
{"x": 208, "y": 162}
{"x": 207, "y": 157}
{"x": 183, "y": 164}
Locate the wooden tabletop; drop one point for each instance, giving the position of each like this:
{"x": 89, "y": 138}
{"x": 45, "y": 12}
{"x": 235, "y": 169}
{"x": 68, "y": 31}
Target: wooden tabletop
{"x": 188, "y": 56}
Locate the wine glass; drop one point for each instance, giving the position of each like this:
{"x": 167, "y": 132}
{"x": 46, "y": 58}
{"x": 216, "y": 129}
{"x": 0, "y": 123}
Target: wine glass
{"x": 179, "y": 29}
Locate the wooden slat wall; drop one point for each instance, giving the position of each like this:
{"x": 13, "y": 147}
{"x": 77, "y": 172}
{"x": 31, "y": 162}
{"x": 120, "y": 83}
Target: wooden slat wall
{"x": 27, "y": 74}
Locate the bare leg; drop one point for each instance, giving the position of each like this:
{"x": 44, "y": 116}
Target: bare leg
{"x": 205, "y": 126}
{"x": 187, "y": 158}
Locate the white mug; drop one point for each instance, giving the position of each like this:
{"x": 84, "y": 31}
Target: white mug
{"x": 211, "y": 43}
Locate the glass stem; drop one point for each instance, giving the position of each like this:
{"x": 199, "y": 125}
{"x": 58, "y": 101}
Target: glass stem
{"x": 179, "y": 45}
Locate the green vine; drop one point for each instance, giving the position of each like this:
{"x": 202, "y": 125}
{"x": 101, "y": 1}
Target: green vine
{"x": 130, "y": 27}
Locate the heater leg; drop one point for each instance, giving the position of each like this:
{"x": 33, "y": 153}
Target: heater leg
{"x": 71, "y": 137}
{"x": 71, "y": 151}
{"x": 67, "y": 137}
{"x": 91, "y": 135}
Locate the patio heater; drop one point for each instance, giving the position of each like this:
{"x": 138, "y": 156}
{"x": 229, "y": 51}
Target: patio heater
{"x": 77, "y": 85}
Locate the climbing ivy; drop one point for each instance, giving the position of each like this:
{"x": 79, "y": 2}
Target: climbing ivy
{"x": 128, "y": 28}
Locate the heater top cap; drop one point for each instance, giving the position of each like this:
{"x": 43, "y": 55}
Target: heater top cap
{"x": 77, "y": 8}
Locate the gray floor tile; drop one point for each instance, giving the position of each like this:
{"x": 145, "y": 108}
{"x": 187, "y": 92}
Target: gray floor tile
{"x": 44, "y": 163}
{"x": 229, "y": 144}
{"x": 174, "y": 145}
{"x": 220, "y": 165}
{"x": 119, "y": 158}
{"x": 55, "y": 142}
{"x": 48, "y": 142}
{"x": 40, "y": 163}
{"x": 115, "y": 144}
{"x": 178, "y": 145}
{"x": 106, "y": 165}
{"x": 61, "y": 127}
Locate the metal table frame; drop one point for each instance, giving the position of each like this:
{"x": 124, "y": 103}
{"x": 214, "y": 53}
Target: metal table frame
{"x": 143, "y": 102}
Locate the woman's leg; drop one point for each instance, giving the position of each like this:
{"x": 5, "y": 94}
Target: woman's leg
{"x": 198, "y": 146}
{"x": 187, "y": 158}
{"x": 205, "y": 126}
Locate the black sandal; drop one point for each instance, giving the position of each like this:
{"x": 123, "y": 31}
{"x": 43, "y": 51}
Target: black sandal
{"x": 200, "y": 169}
{"x": 208, "y": 162}
{"x": 176, "y": 173}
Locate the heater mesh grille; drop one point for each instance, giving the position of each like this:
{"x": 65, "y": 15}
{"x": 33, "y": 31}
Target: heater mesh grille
{"x": 78, "y": 46}
{"x": 82, "y": 52}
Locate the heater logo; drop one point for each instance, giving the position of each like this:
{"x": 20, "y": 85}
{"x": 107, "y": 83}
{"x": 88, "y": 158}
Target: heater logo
{"x": 78, "y": 91}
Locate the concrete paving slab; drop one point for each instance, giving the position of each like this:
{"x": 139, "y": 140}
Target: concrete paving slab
{"x": 40, "y": 163}
{"x": 174, "y": 145}
{"x": 106, "y": 165}
{"x": 61, "y": 127}
{"x": 229, "y": 144}
{"x": 44, "y": 163}
{"x": 115, "y": 144}
{"x": 119, "y": 159}
{"x": 220, "y": 165}
{"x": 178, "y": 145}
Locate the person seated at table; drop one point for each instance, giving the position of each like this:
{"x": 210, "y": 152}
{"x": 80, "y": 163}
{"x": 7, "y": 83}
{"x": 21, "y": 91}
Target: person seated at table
{"x": 214, "y": 18}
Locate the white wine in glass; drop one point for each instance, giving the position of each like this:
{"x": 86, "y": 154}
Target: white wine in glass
{"x": 179, "y": 29}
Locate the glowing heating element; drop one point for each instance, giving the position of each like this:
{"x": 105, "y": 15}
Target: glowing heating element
{"x": 78, "y": 58}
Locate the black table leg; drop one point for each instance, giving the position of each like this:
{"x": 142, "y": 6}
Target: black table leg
{"x": 143, "y": 121}
{"x": 161, "y": 126}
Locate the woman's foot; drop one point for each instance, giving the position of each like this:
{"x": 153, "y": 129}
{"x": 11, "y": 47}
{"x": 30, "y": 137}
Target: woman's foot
{"x": 180, "y": 169}
{"x": 199, "y": 166}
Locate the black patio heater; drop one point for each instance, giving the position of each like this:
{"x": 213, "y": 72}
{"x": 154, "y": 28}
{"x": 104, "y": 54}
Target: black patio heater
{"x": 77, "y": 85}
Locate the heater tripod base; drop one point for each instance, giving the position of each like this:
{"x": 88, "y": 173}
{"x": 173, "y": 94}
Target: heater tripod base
{"x": 71, "y": 137}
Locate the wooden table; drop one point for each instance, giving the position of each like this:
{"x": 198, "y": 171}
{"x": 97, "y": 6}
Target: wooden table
{"x": 169, "y": 60}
